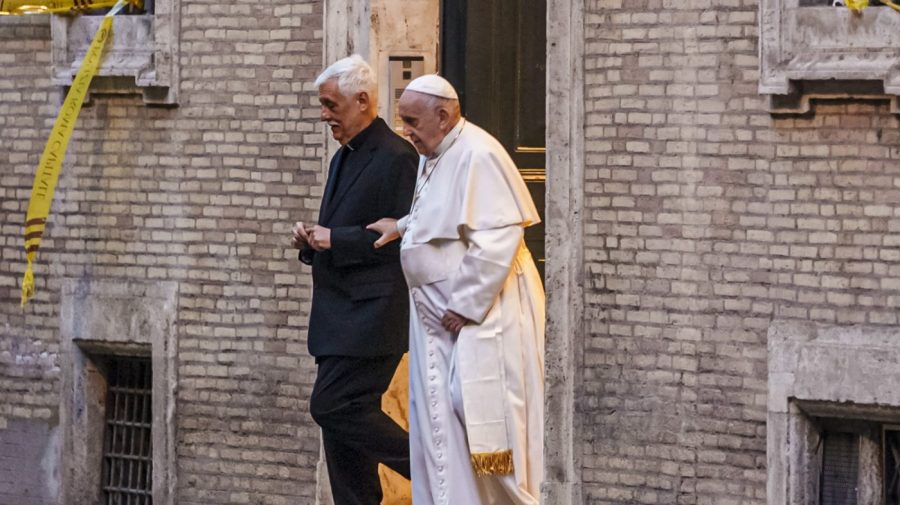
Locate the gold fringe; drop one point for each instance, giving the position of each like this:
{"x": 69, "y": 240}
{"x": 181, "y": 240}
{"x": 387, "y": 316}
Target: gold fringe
{"x": 493, "y": 463}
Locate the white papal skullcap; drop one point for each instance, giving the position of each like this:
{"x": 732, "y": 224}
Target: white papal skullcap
{"x": 435, "y": 85}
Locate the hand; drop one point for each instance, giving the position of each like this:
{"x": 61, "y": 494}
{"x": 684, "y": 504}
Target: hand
{"x": 319, "y": 238}
{"x": 299, "y": 237}
{"x": 453, "y": 322}
{"x": 387, "y": 227}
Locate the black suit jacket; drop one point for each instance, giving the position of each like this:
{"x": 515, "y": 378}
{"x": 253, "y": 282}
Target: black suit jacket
{"x": 360, "y": 304}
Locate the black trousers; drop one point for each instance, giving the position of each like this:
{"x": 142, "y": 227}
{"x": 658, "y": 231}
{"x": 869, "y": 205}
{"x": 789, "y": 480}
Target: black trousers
{"x": 357, "y": 434}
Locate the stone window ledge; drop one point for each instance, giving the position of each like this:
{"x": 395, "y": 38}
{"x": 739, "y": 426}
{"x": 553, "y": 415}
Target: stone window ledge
{"x": 800, "y": 45}
{"x": 141, "y": 57}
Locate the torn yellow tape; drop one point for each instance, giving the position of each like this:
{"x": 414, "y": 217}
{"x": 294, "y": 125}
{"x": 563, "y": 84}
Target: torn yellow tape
{"x": 891, "y": 4}
{"x": 51, "y": 160}
{"x": 856, "y": 6}
{"x": 22, "y": 7}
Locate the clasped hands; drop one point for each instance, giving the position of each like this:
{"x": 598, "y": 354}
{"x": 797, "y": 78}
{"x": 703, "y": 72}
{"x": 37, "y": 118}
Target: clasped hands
{"x": 315, "y": 237}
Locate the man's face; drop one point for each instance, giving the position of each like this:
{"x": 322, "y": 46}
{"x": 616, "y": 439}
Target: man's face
{"x": 421, "y": 121}
{"x": 344, "y": 114}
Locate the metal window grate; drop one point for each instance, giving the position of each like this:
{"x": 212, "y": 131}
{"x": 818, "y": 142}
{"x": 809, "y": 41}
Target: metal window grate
{"x": 840, "y": 468}
{"x": 127, "y": 455}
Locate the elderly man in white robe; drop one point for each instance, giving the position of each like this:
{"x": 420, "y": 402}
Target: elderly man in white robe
{"x": 477, "y": 312}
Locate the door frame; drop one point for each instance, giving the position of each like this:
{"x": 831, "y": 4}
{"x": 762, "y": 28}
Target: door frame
{"x": 564, "y": 269}
{"x": 347, "y": 26}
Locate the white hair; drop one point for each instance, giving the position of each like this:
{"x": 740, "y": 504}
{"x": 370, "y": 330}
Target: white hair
{"x": 450, "y": 104}
{"x": 354, "y": 75}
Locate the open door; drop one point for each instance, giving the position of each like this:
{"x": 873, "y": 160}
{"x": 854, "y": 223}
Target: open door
{"x": 494, "y": 53}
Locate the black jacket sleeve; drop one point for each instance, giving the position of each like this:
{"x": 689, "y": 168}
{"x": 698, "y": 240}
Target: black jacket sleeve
{"x": 354, "y": 245}
{"x": 306, "y": 256}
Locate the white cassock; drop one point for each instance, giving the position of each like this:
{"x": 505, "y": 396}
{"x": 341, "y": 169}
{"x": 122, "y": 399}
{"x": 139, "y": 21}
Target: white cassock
{"x": 476, "y": 398}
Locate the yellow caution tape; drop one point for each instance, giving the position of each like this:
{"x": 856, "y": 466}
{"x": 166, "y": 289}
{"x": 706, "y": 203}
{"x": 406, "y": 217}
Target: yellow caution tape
{"x": 891, "y": 4}
{"x": 21, "y": 7}
{"x": 51, "y": 160}
{"x": 856, "y": 6}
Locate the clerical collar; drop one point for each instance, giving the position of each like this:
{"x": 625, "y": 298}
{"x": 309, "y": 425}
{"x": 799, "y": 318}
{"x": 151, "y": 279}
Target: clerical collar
{"x": 360, "y": 139}
{"x": 448, "y": 139}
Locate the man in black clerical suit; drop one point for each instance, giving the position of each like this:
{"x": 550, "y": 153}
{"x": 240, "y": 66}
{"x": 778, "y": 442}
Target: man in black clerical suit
{"x": 359, "y": 321}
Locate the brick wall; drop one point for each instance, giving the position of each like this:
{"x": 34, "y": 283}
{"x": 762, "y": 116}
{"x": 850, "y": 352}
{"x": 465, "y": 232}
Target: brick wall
{"x": 29, "y": 374}
{"x": 27, "y": 469}
{"x": 204, "y": 195}
{"x": 706, "y": 219}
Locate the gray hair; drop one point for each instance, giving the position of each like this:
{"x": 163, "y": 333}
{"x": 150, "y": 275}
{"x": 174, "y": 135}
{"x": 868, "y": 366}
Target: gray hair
{"x": 436, "y": 102}
{"x": 450, "y": 104}
{"x": 353, "y": 76}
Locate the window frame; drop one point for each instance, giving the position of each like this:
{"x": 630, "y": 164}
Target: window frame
{"x": 793, "y": 67}
{"x": 114, "y": 318}
{"x": 142, "y": 56}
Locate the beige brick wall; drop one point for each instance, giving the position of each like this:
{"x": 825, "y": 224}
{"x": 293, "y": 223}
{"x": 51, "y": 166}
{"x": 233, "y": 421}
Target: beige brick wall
{"x": 203, "y": 194}
{"x": 28, "y": 347}
{"x": 706, "y": 219}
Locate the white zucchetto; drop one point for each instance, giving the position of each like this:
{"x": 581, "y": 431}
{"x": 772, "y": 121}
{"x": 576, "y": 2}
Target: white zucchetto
{"x": 433, "y": 84}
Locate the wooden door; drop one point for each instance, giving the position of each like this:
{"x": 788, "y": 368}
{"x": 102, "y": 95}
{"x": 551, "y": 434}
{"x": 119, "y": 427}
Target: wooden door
{"x": 494, "y": 53}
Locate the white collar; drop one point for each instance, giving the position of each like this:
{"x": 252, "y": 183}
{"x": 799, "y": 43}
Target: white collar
{"x": 448, "y": 139}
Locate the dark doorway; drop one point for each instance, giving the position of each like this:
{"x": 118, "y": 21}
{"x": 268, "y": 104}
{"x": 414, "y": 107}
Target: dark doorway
{"x": 494, "y": 53}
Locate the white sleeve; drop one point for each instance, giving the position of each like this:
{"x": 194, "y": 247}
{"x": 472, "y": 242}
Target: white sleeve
{"x": 401, "y": 224}
{"x": 483, "y": 270}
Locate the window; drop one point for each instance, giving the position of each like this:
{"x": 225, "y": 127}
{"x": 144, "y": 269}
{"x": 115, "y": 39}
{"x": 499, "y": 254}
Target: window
{"x": 804, "y": 44}
{"x": 117, "y": 394}
{"x": 843, "y": 463}
{"x": 833, "y": 414}
{"x": 141, "y": 58}
{"x": 840, "y": 468}
{"x": 128, "y": 10}
{"x": 855, "y": 461}
{"x": 127, "y": 453}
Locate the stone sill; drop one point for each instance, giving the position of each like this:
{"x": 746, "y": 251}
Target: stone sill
{"x": 803, "y": 50}
{"x": 140, "y": 58}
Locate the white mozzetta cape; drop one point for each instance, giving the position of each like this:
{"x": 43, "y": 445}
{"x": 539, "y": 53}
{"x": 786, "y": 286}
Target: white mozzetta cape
{"x": 474, "y": 186}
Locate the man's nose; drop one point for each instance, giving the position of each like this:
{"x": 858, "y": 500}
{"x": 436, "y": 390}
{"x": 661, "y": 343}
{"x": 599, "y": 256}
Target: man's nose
{"x": 323, "y": 114}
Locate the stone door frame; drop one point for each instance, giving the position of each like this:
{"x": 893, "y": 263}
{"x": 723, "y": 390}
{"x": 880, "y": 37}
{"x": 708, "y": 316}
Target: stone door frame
{"x": 347, "y": 25}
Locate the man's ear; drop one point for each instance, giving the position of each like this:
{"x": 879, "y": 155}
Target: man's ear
{"x": 363, "y": 99}
{"x": 443, "y": 117}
